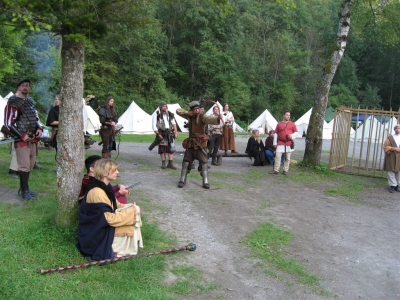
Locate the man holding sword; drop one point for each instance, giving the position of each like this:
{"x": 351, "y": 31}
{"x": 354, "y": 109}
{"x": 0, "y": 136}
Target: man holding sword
{"x": 196, "y": 147}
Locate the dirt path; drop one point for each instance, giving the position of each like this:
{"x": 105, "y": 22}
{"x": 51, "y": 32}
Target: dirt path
{"x": 352, "y": 248}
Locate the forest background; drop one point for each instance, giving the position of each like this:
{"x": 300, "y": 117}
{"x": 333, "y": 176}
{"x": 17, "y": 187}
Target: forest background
{"x": 252, "y": 54}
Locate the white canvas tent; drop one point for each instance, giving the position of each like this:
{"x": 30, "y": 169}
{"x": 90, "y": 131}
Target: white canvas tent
{"x": 330, "y": 124}
{"x": 264, "y": 123}
{"x": 180, "y": 122}
{"x": 135, "y": 120}
{"x": 236, "y": 127}
{"x": 8, "y": 96}
{"x": 302, "y": 126}
{"x": 2, "y": 106}
{"x": 371, "y": 130}
{"x": 91, "y": 121}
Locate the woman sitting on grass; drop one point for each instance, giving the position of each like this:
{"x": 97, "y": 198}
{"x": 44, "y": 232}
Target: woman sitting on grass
{"x": 101, "y": 217}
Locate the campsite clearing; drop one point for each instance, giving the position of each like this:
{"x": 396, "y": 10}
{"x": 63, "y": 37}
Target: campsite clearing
{"x": 349, "y": 243}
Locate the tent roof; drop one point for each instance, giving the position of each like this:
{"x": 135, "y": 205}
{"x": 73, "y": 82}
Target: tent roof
{"x": 371, "y": 130}
{"x": 304, "y": 120}
{"x": 180, "y": 122}
{"x": 265, "y": 122}
{"x": 135, "y": 120}
{"x": 91, "y": 121}
{"x": 8, "y": 96}
{"x": 360, "y": 118}
{"x": 329, "y": 114}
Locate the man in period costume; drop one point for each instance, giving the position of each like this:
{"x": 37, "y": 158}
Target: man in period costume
{"x": 392, "y": 159}
{"x": 22, "y": 122}
{"x": 285, "y": 132}
{"x": 216, "y": 133}
{"x": 108, "y": 119}
{"x": 197, "y": 142}
{"x": 164, "y": 126}
{"x": 52, "y": 120}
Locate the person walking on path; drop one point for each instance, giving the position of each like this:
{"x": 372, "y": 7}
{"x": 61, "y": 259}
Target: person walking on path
{"x": 392, "y": 159}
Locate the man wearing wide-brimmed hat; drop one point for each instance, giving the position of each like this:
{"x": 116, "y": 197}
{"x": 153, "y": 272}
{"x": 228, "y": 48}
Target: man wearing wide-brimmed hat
{"x": 392, "y": 159}
{"x": 196, "y": 147}
{"x": 22, "y": 121}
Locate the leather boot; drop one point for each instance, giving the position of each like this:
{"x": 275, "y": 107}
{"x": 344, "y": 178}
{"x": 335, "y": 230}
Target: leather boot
{"x": 184, "y": 172}
{"x": 24, "y": 186}
{"x": 214, "y": 161}
{"x": 204, "y": 174}
{"x": 163, "y": 166}
{"x": 171, "y": 165}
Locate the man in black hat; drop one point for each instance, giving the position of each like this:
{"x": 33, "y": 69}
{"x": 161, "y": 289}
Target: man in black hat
{"x": 196, "y": 147}
{"x": 164, "y": 126}
{"x": 22, "y": 122}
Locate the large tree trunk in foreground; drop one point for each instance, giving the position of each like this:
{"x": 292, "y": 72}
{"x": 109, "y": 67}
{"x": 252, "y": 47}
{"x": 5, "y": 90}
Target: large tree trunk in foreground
{"x": 70, "y": 156}
{"x": 312, "y": 154}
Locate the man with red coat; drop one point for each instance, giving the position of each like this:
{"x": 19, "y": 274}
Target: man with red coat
{"x": 285, "y": 132}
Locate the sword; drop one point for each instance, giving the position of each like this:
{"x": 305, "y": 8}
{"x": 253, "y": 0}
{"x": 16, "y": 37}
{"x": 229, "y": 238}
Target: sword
{"x": 135, "y": 184}
{"x": 8, "y": 141}
{"x": 201, "y": 148}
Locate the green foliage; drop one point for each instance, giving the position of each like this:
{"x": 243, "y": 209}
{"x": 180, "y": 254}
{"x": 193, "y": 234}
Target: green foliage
{"x": 340, "y": 95}
{"x": 251, "y": 54}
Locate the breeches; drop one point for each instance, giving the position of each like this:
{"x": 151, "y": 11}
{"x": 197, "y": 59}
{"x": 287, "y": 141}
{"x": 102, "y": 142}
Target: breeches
{"x": 26, "y": 157}
{"x": 393, "y": 178}
{"x": 191, "y": 155}
{"x": 107, "y": 137}
{"x": 214, "y": 144}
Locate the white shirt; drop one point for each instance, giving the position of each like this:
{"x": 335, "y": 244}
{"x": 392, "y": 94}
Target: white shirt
{"x": 165, "y": 117}
{"x": 396, "y": 138}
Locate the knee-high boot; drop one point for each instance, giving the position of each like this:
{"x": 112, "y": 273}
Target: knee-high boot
{"x": 184, "y": 172}
{"x": 24, "y": 186}
{"x": 204, "y": 174}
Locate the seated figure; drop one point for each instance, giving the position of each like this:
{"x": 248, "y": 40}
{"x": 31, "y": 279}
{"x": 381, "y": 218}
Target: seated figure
{"x": 270, "y": 149}
{"x": 255, "y": 149}
{"x": 120, "y": 190}
{"x": 107, "y": 228}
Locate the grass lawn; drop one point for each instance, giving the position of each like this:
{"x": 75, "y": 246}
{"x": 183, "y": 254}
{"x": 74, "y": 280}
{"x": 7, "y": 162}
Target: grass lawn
{"x": 31, "y": 241}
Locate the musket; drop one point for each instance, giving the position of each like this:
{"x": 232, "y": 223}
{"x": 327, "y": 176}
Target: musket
{"x": 201, "y": 148}
{"x": 189, "y": 247}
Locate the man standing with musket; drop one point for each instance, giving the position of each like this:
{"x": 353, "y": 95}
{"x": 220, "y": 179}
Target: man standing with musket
{"x": 197, "y": 142}
{"x": 164, "y": 126}
{"x": 22, "y": 122}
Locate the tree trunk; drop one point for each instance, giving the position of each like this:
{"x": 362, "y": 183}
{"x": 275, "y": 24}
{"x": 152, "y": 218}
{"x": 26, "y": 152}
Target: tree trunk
{"x": 312, "y": 154}
{"x": 70, "y": 156}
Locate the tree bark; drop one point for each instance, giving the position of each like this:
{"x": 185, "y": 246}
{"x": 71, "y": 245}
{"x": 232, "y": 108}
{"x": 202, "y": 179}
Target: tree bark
{"x": 312, "y": 153}
{"x": 70, "y": 138}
